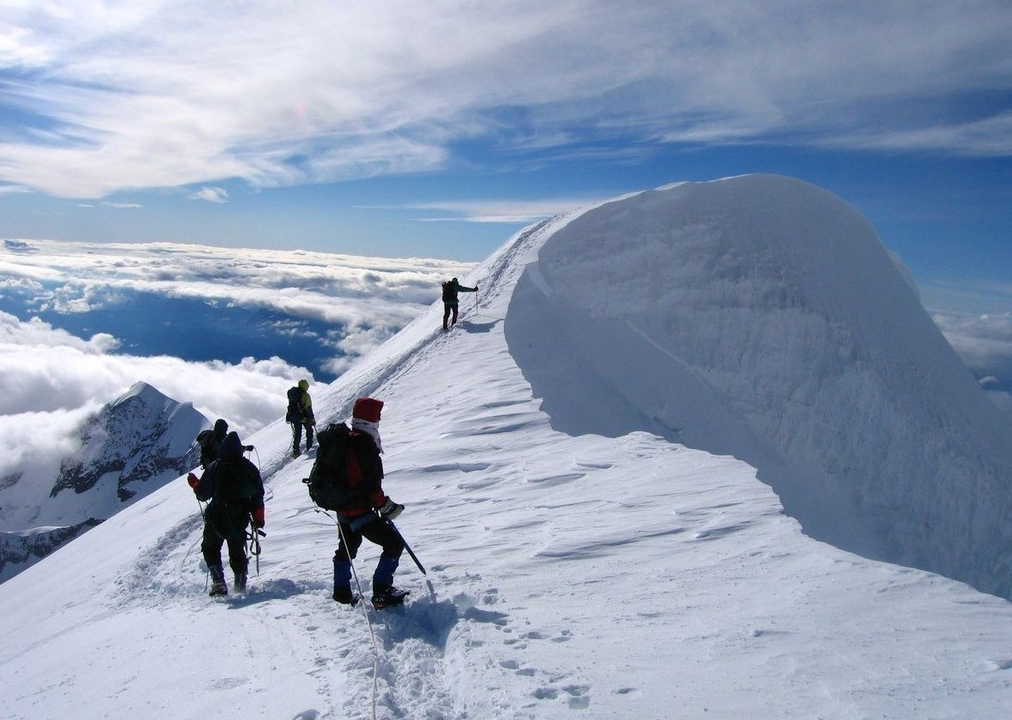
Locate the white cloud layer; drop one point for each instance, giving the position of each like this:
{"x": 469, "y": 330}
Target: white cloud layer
{"x": 985, "y": 344}
{"x": 51, "y": 380}
{"x": 212, "y": 194}
{"x": 166, "y": 93}
{"x": 983, "y": 341}
{"x": 358, "y": 292}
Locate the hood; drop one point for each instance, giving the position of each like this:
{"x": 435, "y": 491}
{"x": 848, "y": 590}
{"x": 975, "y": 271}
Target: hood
{"x": 231, "y": 447}
{"x": 368, "y": 409}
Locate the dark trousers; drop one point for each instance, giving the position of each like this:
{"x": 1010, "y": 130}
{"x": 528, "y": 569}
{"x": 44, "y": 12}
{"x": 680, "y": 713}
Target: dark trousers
{"x": 448, "y": 308}
{"x": 379, "y": 532}
{"x": 297, "y": 436}
{"x": 210, "y": 547}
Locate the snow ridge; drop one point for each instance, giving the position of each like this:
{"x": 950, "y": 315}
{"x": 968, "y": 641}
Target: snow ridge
{"x": 761, "y": 317}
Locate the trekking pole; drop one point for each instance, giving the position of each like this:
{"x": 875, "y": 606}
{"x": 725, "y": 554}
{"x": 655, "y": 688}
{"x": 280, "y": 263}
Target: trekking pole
{"x": 203, "y": 517}
{"x": 406, "y": 546}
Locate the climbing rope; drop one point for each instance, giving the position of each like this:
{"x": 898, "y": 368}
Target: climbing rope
{"x": 253, "y": 542}
{"x": 365, "y": 614}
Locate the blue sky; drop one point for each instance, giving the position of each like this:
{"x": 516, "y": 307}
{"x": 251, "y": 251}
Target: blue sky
{"x": 398, "y": 128}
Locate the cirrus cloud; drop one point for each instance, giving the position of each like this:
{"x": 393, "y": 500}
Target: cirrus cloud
{"x": 171, "y": 93}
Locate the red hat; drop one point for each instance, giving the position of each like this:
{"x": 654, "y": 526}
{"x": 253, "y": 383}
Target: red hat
{"x": 368, "y": 409}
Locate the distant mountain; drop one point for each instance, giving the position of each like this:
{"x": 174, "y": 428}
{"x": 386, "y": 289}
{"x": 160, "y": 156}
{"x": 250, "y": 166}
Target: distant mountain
{"x": 143, "y": 437}
{"x": 133, "y": 446}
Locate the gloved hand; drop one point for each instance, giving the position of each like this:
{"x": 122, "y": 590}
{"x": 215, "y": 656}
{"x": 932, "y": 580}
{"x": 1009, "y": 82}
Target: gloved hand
{"x": 192, "y": 480}
{"x": 247, "y": 448}
{"x": 258, "y": 517}
{"x": 390, "y": 509}
{"x": 476, "y": 287}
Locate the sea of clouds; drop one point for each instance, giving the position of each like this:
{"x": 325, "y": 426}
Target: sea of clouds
{"x": 984, "y": 342}
{"x": 225, "y": 329}
{"x": 229, "y": 330}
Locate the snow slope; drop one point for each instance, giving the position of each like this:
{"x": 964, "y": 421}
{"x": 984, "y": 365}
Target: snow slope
{"x": 568, "y": 574}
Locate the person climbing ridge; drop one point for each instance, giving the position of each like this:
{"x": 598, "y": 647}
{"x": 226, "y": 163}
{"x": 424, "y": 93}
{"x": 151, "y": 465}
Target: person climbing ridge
{"x": 300, "y": 415}
{"x": 450, "y": 305}
{"x": 236, "y": 493}
{"x": 210, "y": 443}
{"x": 365, "y": 511}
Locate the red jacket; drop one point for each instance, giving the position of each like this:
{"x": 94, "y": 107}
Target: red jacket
{"x": 365, "y": 475}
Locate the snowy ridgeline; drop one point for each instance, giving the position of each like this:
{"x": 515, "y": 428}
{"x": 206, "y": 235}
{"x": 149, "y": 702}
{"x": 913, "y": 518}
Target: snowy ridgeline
{"x": 761, "y": 317}
{"x": 133, "y": 446}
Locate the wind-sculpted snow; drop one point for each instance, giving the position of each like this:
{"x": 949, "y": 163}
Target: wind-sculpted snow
{"x": 761, "y": 317}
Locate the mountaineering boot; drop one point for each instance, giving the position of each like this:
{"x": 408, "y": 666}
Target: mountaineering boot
{"x": 239, "y": 585}
{"x": 217, "y": 581}
{"x": 345, "y": 596}
{"x": 387, "y": 596}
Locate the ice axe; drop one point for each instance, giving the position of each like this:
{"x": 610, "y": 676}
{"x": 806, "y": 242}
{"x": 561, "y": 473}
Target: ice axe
{"x": 406, "y": 546}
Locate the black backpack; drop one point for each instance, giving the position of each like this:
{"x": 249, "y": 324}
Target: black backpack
{"x": 237, "y": 484}
{"x": 294, "y": 405}
{"x": 328, "y": 480}
{"x": 208, "y": 447}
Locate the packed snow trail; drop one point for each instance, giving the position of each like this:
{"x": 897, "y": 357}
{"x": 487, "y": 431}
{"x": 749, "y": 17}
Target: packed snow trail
{"x": 573, "y": 574}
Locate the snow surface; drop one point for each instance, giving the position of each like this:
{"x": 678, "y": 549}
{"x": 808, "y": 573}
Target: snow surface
{"x": 615, "y": 574}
